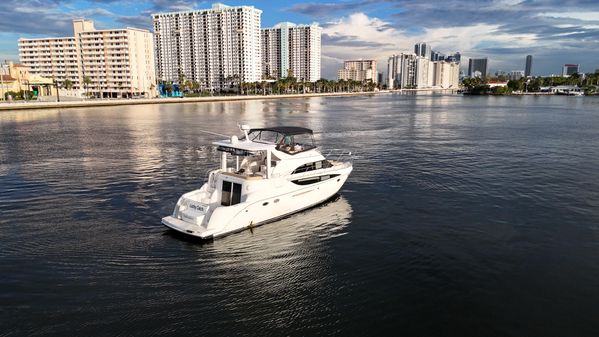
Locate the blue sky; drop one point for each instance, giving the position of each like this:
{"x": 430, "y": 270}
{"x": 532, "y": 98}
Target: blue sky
{"x": 505, "y": 31}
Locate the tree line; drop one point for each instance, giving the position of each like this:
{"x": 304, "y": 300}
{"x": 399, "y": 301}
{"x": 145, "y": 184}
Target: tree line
{"x": 287, "y": 85}
{"x": 589, "y": 82}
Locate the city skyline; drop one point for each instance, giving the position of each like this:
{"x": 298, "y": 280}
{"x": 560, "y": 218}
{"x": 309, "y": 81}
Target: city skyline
{"x": 503, "y": 31}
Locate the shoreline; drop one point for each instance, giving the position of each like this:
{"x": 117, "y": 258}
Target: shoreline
{"x": 207, "y": 99}
{"x": 170, "y": 100}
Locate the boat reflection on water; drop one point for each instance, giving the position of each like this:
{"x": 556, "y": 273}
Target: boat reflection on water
{"x": 265, "y": 269}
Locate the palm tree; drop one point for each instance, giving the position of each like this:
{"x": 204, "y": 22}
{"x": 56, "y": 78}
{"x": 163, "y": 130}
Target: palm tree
{"x": 151, "y": 93}
{"x": 67, "y": 84}
{"x": 195, "y": 86}
{"x": 187, "y": 85}
{"x": 234, "y": 80}
{"x": 168, "y": 87}
{"x": 87, "y": 81}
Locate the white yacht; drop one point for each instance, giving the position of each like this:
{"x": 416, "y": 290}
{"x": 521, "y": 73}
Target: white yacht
{"x": 277, "y": 171}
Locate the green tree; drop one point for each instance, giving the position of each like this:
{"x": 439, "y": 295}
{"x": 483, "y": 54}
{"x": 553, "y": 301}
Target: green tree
{"x": 515, "y": 85}
{"x": 86, "y": 82}
{"x": 168, "y": 87}
{"x": 67, "y": 84}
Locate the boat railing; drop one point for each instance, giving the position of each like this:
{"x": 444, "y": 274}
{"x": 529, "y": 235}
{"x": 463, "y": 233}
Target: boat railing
{"x": 211, "y": 178}
{"x": 340, "y": 155}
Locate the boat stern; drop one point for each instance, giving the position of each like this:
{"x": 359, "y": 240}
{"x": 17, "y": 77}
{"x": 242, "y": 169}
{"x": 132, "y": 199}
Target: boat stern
{"x": 187, "y": 227}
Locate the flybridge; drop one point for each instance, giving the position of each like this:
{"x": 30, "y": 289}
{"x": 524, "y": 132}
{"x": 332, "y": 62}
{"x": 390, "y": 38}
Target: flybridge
{"x": 261, "y": 143}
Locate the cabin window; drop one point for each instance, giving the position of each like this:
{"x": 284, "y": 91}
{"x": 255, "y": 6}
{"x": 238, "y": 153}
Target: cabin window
{"x": 313, "y": 166}
{"x": 231, "y": 194}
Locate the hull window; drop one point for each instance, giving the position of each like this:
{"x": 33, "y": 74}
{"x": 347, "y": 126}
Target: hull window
{"x": 231, "y": 194}
{"x": 313, "y": 180}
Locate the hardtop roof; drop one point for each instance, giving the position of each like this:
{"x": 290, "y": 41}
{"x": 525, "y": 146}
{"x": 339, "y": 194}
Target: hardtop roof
{"x": 286, "y": 130}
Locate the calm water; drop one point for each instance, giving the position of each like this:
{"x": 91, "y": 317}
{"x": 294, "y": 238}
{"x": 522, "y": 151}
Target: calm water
{"x": 464, "y": 216}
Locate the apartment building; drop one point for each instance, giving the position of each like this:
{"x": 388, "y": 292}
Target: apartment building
{"x": 50, "y": 57}
{"x": 106, "y": 63}
{"x": 216, "y": 47}
{"x": 401, "y": 71}
{"x": 358, "y": 70}
{"x": 412, "y": 71}
{"x": 290, "y": 48}
{"x": 446, "y": 75}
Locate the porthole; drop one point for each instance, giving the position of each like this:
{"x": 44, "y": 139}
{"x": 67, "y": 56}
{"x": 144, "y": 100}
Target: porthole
{"x": 264, "y": 204}
{"x": 276, "y": 200}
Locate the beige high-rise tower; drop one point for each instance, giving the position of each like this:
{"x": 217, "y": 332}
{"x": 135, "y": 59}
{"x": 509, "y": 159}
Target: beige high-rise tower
{"x": 115, "y": 62}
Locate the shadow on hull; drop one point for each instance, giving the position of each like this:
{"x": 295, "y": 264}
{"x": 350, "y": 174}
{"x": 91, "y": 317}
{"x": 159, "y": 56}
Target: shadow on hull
{"x": 196, "y": 240}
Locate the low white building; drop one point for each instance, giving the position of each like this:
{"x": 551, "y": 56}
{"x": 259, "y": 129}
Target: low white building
{"x": 358, "y": 70}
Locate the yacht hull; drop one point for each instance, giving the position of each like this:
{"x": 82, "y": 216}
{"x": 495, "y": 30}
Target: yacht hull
{"x": 232, "y": 219}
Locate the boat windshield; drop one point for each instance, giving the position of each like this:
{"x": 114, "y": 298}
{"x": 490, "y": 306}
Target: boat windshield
{"x": 288, "y": 139}
{"x": 265, "y": 136}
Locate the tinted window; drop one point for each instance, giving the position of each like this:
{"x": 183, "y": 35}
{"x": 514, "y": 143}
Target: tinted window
{"x": 226, "y": 195}
{"x": 313, "y": 180}
{"x": 236, "y": 197}
{"x": 231, "y": 193}
{"x": 312, "y": 166}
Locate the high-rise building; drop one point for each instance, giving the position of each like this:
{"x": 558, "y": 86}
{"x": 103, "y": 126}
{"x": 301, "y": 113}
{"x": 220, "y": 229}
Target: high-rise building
{"x": 454, "y": 58}
{"x": 477, "y": 67}
{"x": 528, "y": 68}
{"x": 446, "y": 75}
{"x": 516, "y": 74}
{"x": 215, "y": 47}
{"x": 358, "y": 70}
{"x": 570, "y": 69}
{"x": 401, "y": 71}
{"x": 423, "y": 50}
{"x": 424, "y": 72}
{"x": 290, "y": 48}
{"x": 114, "y": 62}
{"x": 437, "y": 56}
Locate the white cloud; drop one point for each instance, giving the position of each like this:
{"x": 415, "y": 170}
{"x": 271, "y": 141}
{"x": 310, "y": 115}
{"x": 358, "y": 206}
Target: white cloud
{"x": 370, "y": 31}
{"x": 585, "y": 16}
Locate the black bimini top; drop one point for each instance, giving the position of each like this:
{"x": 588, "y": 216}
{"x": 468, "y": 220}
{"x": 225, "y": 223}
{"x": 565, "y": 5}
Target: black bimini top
{"x": 286, "y": 130}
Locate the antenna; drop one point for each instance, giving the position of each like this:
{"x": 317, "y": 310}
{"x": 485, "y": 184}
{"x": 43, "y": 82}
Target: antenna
{"x": 214, "y": 133}
{"x": 245, "y": 128}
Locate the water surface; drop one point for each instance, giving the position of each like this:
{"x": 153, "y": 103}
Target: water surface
{"x": 464, "y": 216}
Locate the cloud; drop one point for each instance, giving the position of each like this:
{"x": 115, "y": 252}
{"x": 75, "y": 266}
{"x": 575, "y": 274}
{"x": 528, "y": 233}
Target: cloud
{"x": 505, "y": 31}
{"x": 325, "y": 10}
{"x": 47, "y": 18}
{"x": 143, "y": 21}
{"x": 54, "y": 17}
{"x": 173, "y": 5}
{"x": 585, "y": 16}
{"x": 553, "y": 31}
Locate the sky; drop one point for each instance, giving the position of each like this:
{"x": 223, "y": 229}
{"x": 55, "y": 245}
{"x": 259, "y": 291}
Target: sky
{"x": 504, "y": 31}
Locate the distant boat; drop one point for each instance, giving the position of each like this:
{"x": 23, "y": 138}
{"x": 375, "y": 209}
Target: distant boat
{"x": 278, "y": 171}
{"x": 570, "y": 93}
